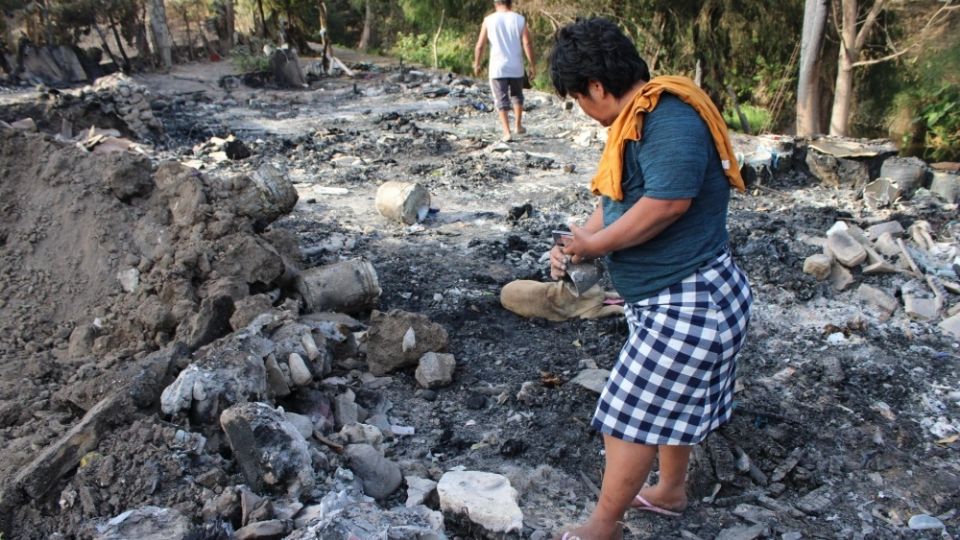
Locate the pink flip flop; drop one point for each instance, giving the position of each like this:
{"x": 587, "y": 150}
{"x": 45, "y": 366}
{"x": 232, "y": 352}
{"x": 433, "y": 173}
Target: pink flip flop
{"x": 647, "y": 506}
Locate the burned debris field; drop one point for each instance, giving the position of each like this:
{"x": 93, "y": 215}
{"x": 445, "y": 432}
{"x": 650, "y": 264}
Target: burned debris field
{"x": 210, "y": 326}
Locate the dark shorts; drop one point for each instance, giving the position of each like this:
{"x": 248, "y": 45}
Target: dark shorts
{"x": 507, "y": 91}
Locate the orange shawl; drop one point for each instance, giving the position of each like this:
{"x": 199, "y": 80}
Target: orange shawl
{"x": 629, "y": 125}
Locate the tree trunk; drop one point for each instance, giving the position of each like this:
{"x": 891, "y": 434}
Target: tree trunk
{"x": 4, "y": 40}
{"x": 367, "y": 32}
{"x": 186, "y": 21}
{"x": 143, "y": 36}
{"x": 808, "y": 83}
{"x": 263, "y": 19}
{"x": 325, "y": 38}
{"x": 116, "y": 38}
{"x": 163, "y": 43}
{"x": 106, "y": 46}
{"x": 230, "y": 23}
{"x": 843, "y": 91}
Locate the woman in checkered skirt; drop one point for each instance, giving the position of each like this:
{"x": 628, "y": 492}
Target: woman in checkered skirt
{"x": 664, "y": 184}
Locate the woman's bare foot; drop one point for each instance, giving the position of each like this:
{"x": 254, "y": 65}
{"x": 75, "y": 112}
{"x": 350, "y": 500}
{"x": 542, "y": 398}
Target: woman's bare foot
{"x": 592, "y": 530}
{"x": 674, "y": 500}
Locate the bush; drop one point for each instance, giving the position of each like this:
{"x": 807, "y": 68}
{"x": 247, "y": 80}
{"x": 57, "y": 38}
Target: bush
{"x": 249, "y": 58}
{"x": 758, "y": 117}
{"x": 940, "y": 117}
{"x": 453, "y": 53}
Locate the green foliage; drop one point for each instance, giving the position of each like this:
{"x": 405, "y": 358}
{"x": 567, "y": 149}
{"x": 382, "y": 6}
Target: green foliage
{"x": 940, "y": 116}
{"x": 249, "y": 59}
{"x": 454, "y": 53}
{"x": 757, "y": 117}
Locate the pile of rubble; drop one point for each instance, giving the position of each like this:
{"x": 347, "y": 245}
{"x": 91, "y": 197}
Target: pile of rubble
{"x": 923, "y": 288}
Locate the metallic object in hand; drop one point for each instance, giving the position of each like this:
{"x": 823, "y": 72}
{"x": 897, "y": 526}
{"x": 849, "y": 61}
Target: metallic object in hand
{"x": 581, "y": 276}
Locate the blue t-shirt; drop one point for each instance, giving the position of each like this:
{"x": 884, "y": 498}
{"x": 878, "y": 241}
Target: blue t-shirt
{"x": 675, "y": 158}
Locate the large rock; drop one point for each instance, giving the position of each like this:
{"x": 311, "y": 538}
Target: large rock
{"x": 435, "y": 370}
{"x": 845, "y": 162}
{"x": 951, "y": 326}
{"x": 398, "y": 339}
{"x": 272, "y": 454}
{"x": 486, "y": 499}
{"x": 227, "y": 372}
{"x": 818, "y": 266}
{"x": 379, "y": 475}
{"x": 946, "y": 185}
{"x": 907, "y": 173}
{"x": 286, "y": 69}
{"x": 845, "y": 249}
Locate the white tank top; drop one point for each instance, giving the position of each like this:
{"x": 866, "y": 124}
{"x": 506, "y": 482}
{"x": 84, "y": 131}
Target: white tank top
{"x": 504, "y": 30}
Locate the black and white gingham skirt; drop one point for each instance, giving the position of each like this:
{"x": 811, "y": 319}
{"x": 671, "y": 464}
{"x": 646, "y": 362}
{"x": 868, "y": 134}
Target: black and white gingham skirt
{"x": 673, "y": 382}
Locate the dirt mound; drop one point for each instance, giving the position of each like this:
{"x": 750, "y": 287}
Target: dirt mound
{"x": 110, "y": 253}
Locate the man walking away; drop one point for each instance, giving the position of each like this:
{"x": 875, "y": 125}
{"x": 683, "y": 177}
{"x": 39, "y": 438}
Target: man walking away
{"x": 507, "y": 32}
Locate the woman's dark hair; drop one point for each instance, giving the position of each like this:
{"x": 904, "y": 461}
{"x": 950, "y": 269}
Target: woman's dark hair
{"x": 595, "y": 49}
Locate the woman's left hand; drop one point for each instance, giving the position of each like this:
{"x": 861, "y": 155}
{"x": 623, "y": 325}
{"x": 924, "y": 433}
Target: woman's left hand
{"x": 582, "y": 246}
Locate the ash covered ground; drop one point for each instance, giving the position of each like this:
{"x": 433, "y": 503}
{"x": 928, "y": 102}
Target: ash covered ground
{"x": 150, "y": 311}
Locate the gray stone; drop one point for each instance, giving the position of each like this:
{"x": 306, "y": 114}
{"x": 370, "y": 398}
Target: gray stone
{"x": 273, "y": 529}
{"x": 920, "y": 308}
{"x": 435, "y": 370}
{"x": 951, "y": 326}
{"x": 81, "y": 340}
{"x": 380, "y": 476}
{"x": 362, "y": 434}
{"x": 845, "y": 249}
{"x": 147, "y": 523}
{"x": 303, "y": 423}
{"x": 946, "y": 186}
{"x": 486, "y": 499}
{"x": 418, "y": 490}
{"x": 743, "y": 533}
{"x": 836, "y": 171}
{"x": 210, "y": 323}
{"x": 922, "y": 522}
{"x": 286, "y": 69}
{"x": 887, "y": 245}
{"x": 345, "y": 409}
{"x": 247, "y": 309}
{"x": 892, "y": 227}
{"x": 818, "y": 266}
{"x": 907, "y": 173}
{"x": 276, "y": 380}
{"x": 878, "y": 297}
{"x": 220, "y": 377}
{"x": 272, "y": 454}
{"x": 385, "y": 340}
{"x": 840, "y": 278}
{"x": 299, "y": 371}
{"x": 816, "y": 501}
{"x": 25, "y": 124}
{"x": 129, "y": 279}
{"x": 881, "y": 193}
{"x": 592, "y": 379}
{"x": 754, "y": 514}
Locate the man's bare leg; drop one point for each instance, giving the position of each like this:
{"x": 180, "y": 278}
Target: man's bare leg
{"x": 518, "y": 113}
{"x": 627, "y": 467}
{"x": 505, "y": 123}
{"x": 670, "y": 492}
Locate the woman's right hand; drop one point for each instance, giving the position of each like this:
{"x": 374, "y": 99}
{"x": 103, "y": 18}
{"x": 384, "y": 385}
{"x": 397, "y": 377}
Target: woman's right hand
{"x": 558, "y": 263}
